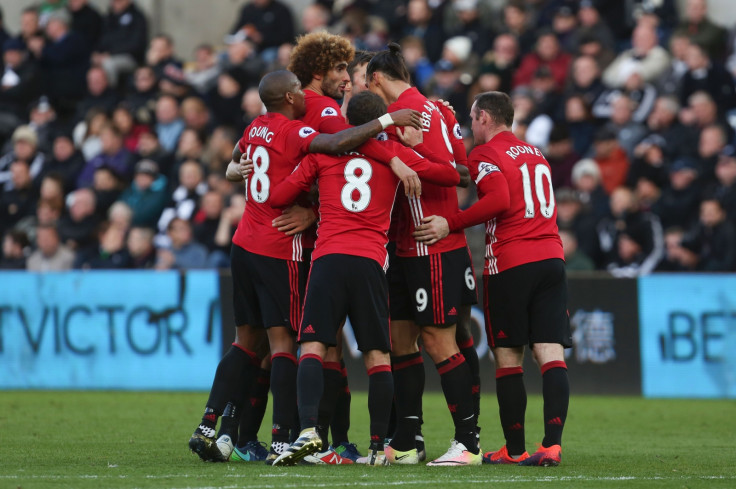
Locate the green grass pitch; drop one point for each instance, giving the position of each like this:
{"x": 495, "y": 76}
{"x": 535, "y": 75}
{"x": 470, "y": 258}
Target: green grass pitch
{"x": 139, "y": 440}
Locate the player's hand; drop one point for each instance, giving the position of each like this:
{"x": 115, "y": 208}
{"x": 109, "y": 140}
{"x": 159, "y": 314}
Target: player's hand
{"x": 464, "y": 176}
{"x": 410, "y": 179}
{"x": 432, "y": 229}
{"x": 410, "y": 136}
{"x": 447, "y": 104}
{"x": 407, "y": 117}
{"x": 245, "y": 166}
{"x": 294, "y": 220}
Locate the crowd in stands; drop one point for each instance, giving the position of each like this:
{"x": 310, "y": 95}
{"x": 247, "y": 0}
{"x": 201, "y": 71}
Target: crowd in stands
{"x": 114, "y": 144}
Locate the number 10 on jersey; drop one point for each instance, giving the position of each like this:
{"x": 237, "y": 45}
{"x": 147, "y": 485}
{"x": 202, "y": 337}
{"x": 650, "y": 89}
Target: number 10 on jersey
{"x": 540, "y": 172}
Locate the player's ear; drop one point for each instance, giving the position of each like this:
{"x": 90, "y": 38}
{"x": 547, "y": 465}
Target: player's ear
{"x": 289, "y": 96}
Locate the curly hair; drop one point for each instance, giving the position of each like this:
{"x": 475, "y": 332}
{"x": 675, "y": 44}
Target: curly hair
{"x": 317, "y": 53}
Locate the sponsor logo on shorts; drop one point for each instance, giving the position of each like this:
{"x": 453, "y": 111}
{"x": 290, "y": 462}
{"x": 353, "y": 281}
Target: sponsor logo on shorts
{"x": 309, "y": 330}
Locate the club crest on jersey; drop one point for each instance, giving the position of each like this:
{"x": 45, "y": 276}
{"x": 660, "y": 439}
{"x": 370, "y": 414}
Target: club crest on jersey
{"x": 382, "y": 136}
{"x": 328, "y": 111}
{"x": 457, "y": 132}
{"x": 485, "y": 168}
{"x": 305, "y": 131}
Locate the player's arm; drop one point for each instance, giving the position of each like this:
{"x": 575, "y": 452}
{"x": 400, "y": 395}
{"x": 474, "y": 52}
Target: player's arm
{"x": 300, "y": 180}
{"x": 496, "y": 200}
{"x": 427, "y": 166}
{"x": 238, "y": 169}
{"x": 351, "y": 137}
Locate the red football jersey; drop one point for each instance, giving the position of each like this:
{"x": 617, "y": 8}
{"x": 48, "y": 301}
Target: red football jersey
{"x": 526, "y": 231}
{"x": 356, "y": 195}
{"x": 323, "y": 113}
{"x": 455, "y": 135}
{"x": 435, "y": 200}
{"x": 276, "y": 145}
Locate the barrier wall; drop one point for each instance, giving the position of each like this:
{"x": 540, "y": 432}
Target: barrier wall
{"x": 661, "y": 336}
{"x": 109, "y": 330}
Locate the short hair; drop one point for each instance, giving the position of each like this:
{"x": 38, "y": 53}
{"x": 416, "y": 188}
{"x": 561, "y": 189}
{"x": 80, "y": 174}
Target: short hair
{"x": 390, "y": 62}
{"x": 18, "y": 237}
{"x": 498, "y": 105}
{"x": 361, "y": 57}
{"x": 317, "y": 53}
{"x": 170, "y": 226}
{"x": 364, "y": 107}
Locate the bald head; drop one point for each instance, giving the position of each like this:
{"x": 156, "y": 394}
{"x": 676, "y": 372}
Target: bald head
{"x": 274, "y": 86}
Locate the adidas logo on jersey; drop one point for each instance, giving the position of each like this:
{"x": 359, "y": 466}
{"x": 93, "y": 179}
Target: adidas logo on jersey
{"x": 309, "y": 329}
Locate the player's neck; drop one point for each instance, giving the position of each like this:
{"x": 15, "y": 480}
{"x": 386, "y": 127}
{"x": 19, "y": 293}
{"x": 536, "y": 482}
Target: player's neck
{"x": 495, "y": 131}
{"x": 395, "y": 89}
{"x": 314, "y": 86}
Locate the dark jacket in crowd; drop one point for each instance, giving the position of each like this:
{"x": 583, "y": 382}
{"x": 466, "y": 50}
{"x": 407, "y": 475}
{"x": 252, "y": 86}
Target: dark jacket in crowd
{"x": 716, "y": 247}
{"x": 274, "y": 22}
{"x": 64, "y": 65}
{"x": 87, "y": 21}
{"x": 125, "y": 33}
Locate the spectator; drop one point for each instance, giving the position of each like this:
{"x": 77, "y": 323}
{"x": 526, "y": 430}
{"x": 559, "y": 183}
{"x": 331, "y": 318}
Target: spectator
{"x": 671, "y": 81}
{"x": 591, "y": 26}
{"x": 185, "y": 198}
{"x": 113, "y": 155}
{"x": 4, "y": 36}
{"x": 529, "y": 124}
{"x": 160, "y": 56}
{"x": 19, "y": 85}
{"x": 123, "y": 42}
{"x": 110, "y": 253}
{"x": 25, "y": 148}
{"x": 195, "y": 114}
{"x": 140, "y": 248}
{"x": 662, "y": 120}
{"x": 63, "y": 59}
{"x": 66, "y": 161}
{"x": 575, "y": 260}
{"x": 125, "y": 123}
{"x": 52, "y": 190}
{"x": 169, "y": 124}
{"x": 87, "y": 133}
{"x": 190, "y": 147}
{"x": 645, "y": 62}
{"x": 561, "y": 156}
{"x": 423, "y": 24}
{"x": 611, "y": 159}
{"x": 219, "y": 149}
{"x": 725, "y": 188}
{"x": 99, "y": 94}
{"x": 579, "y": 121}
{"x": 120, "y": 215}
{"x": 86, "y": 20}
{"x": 149, "y": 148}
{"x": 201, "y": 74}
{"x": 586, "y": 180}
{"x": 20, "y": 200}
{"x": 184, "y": 251}
{"x": 678, "y": 205}
{"x": 142, "y": 97}
{"x": 630, "y": 132}
{"x": 577, "y": 218}
{"x": 107, "y": 186}
{"x": 516, "y": 22}
{"x": 649, "y": 162}
{"x": 252, "y": 107}
{"x": 47, "y": 212}
{"x": 315, "y": 17}
{"x": 242, "y": 61}
{"x": 51, "y": 255}
{"x": 43, "y": 120}
{"x": 676, "y": 257}
{"x": 267, "y": 23}
{"x": 469, "y": 25}
{"x": 147, "y": 195}
{"x": 224, "y": 99}
{"x": 699, "y": 29}
{"x": 565, "y": 26}
{"x": 713, "y": 241}
{"x": 30, "y": 26}
{"x": 15, "y": 249}
{"x": 713, "y": 140}
{"x": 78, "y": 228}
{"x": 207, "y": 220}
{"x": 586, "y": 80}
{"x": 631, "y": 241}
{"x": 498, "y": 65}
{"x": 547, "y": 53}
{"x": 705, "y": 75}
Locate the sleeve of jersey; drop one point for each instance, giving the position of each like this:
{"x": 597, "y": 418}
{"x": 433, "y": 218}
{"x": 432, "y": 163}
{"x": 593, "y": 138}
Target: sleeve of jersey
{"x": 301, "y": 135}
{"x": 241, "y": 145}
{"x": 496, "y": 199}
{"x": 300, "y": 180}
{"x": 458, "y": 148}
{"x": 429, "y": 170}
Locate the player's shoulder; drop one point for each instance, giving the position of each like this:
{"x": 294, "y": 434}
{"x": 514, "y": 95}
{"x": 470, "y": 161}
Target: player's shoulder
{"x": 321, "y": 105}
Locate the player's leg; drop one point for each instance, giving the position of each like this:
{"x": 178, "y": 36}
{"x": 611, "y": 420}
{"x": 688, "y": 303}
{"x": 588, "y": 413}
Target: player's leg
{"x": 324, "y": 309}
{"x": 332, "y": 385}
{"x": 443, "y": 299}
{"x": 237, "y": 367}
{"x": 248, "y": 448}
{"x": 463, "y": 332}
{"x": 549, "y": 335}
{"x": 283, "y": 387}
{"x": 340, "y": 424}
{"x": 368, "y": 311}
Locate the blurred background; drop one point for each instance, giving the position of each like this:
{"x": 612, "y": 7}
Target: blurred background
{"x": 118, "y": 117}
